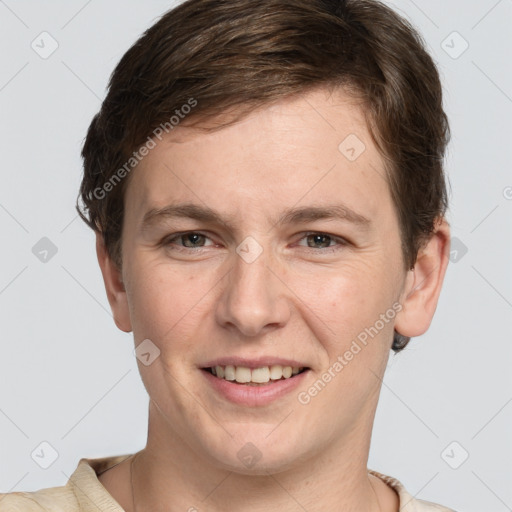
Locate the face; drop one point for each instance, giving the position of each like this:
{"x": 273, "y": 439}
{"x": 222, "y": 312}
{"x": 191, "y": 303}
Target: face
{"x": 270, "y": 243}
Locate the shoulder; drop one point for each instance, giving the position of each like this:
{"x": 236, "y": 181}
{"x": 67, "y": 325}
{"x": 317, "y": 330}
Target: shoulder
{"x": 55, "y": 499}
{"x": 82, "y": 493}
{"x": 409, "y": 503}
{"x": 427, "y": 506}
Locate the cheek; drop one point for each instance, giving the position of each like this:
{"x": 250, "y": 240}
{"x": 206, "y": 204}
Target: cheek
{"x": 344, "y": 309}
{"x": 163, "y": 300}
{"x": 346, "y": 298}
{"x": 174, "y": 303}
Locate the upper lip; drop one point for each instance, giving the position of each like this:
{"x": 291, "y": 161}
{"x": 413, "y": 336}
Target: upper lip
{"x": 253, "y": 362}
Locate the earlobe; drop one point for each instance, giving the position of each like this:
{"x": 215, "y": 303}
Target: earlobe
{"x": 423, "y": 284}
{"x": 114, "y": 286}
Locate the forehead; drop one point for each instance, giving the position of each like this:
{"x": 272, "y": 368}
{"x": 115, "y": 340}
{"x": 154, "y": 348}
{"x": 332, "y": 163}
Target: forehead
{"x": 315, "y": 149}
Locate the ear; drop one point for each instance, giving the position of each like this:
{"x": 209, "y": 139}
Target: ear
{"x": 114, "y": 286}
{"x": 423, "y": 284}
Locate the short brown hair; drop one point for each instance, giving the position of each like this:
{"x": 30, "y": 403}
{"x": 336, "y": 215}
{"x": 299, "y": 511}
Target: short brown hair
{"x": 240, "y": 55}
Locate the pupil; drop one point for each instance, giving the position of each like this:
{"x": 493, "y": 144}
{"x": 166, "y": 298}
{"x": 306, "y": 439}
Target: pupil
{"x": 192, "y": 235}
{"x": 318, "y": 239}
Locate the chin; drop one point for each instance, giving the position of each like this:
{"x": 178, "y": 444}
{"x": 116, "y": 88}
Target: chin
{"x": 260, "y": 454}
{"x": 264, "y": 466}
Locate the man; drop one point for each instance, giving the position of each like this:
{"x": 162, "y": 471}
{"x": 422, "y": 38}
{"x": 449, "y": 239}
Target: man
{"x": 266, "y": 186}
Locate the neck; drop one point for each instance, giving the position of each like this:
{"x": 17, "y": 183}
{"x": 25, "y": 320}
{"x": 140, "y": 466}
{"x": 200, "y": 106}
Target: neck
{"x": 168, "y": 475}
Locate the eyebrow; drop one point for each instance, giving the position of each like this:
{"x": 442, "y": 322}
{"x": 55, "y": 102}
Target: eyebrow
{"x": 296, "y": 215}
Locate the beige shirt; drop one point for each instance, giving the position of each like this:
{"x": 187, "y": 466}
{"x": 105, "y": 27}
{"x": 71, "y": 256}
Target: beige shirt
{"x": 85, "y": 493}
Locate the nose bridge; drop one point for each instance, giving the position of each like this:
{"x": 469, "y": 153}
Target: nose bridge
{"x": 252, "y": 298}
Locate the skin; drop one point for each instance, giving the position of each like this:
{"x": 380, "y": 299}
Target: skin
{"x": 304, "y": 297}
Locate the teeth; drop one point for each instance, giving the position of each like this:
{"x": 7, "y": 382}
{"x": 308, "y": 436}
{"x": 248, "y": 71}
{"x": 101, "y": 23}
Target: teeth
{"x": 229, "y": 372}
{"x": 260, "y": 375}
{"x": 276, "y": 372}
{"x": 242, "y": 374}
{"x": 263, "y": 375}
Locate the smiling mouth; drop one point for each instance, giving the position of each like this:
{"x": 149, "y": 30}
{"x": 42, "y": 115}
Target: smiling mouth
{"x": 255, "y": 376}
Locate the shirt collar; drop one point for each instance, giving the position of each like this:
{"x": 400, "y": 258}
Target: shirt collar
{"x": 93, "y": 497}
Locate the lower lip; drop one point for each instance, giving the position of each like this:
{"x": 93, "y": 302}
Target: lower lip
{"x": 253, "y": 396}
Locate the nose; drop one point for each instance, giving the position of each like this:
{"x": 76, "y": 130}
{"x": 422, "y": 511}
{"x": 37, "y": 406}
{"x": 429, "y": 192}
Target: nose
{"x": 253, "y": 298}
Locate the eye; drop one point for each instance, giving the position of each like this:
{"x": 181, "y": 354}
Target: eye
{"x": 191, "y": 240}
{"x": 314, "y": 240}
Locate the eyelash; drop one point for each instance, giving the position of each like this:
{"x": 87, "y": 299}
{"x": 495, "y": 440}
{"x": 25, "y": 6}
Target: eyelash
{"x": 341, "y": 242}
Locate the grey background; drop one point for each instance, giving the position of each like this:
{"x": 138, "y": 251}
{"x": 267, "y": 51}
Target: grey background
{"x": 68, "y": 376}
